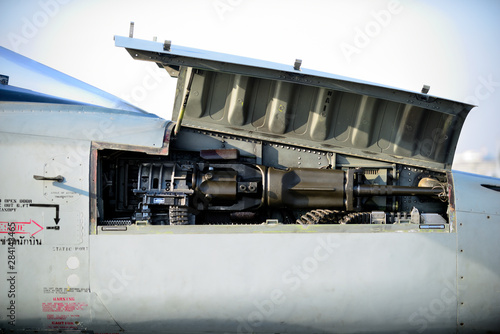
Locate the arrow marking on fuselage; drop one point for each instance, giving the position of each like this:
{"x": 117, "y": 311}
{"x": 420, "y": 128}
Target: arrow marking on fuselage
{"x": 20, "y": 227}
{"x": 56, "y": 206}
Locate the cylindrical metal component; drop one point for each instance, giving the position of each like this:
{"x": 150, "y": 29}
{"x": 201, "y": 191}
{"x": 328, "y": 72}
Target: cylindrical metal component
{"x": 305, "y": 188}
{"x": 218, "y": 186}
{"x": 429, "y": 182}
{"x": 377, "y": 190}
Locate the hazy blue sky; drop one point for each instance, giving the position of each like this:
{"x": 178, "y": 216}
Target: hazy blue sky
{"x": 451, "y": 45}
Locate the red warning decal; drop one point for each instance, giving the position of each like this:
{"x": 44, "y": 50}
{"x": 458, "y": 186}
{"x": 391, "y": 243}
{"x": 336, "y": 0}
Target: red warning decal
{"x": 31, "y": 227}
{"x": 63, "y": 307}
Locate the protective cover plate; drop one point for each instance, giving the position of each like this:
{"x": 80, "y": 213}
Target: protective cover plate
{"x": 269, "y": 101}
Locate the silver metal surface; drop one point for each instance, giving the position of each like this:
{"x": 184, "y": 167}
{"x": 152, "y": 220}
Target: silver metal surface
{"x": 300, "y": 282}
{"x": 186, "y": 53}
{"x": 50, "y": 261}
{"x": 478, "y": 263}
{"x": 82, "y": 122}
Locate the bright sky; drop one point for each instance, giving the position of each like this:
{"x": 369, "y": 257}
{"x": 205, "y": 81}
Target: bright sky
{"x": 451, "y": 45}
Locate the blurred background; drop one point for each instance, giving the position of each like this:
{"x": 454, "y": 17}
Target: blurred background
{"x": 451, "y": 45}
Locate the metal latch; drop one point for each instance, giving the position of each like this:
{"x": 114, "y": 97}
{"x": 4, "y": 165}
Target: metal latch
{"x": 58, "y": 178}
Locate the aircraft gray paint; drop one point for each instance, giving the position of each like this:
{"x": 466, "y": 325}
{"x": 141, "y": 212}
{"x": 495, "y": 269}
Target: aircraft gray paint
{"x": 282, "y": 200}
